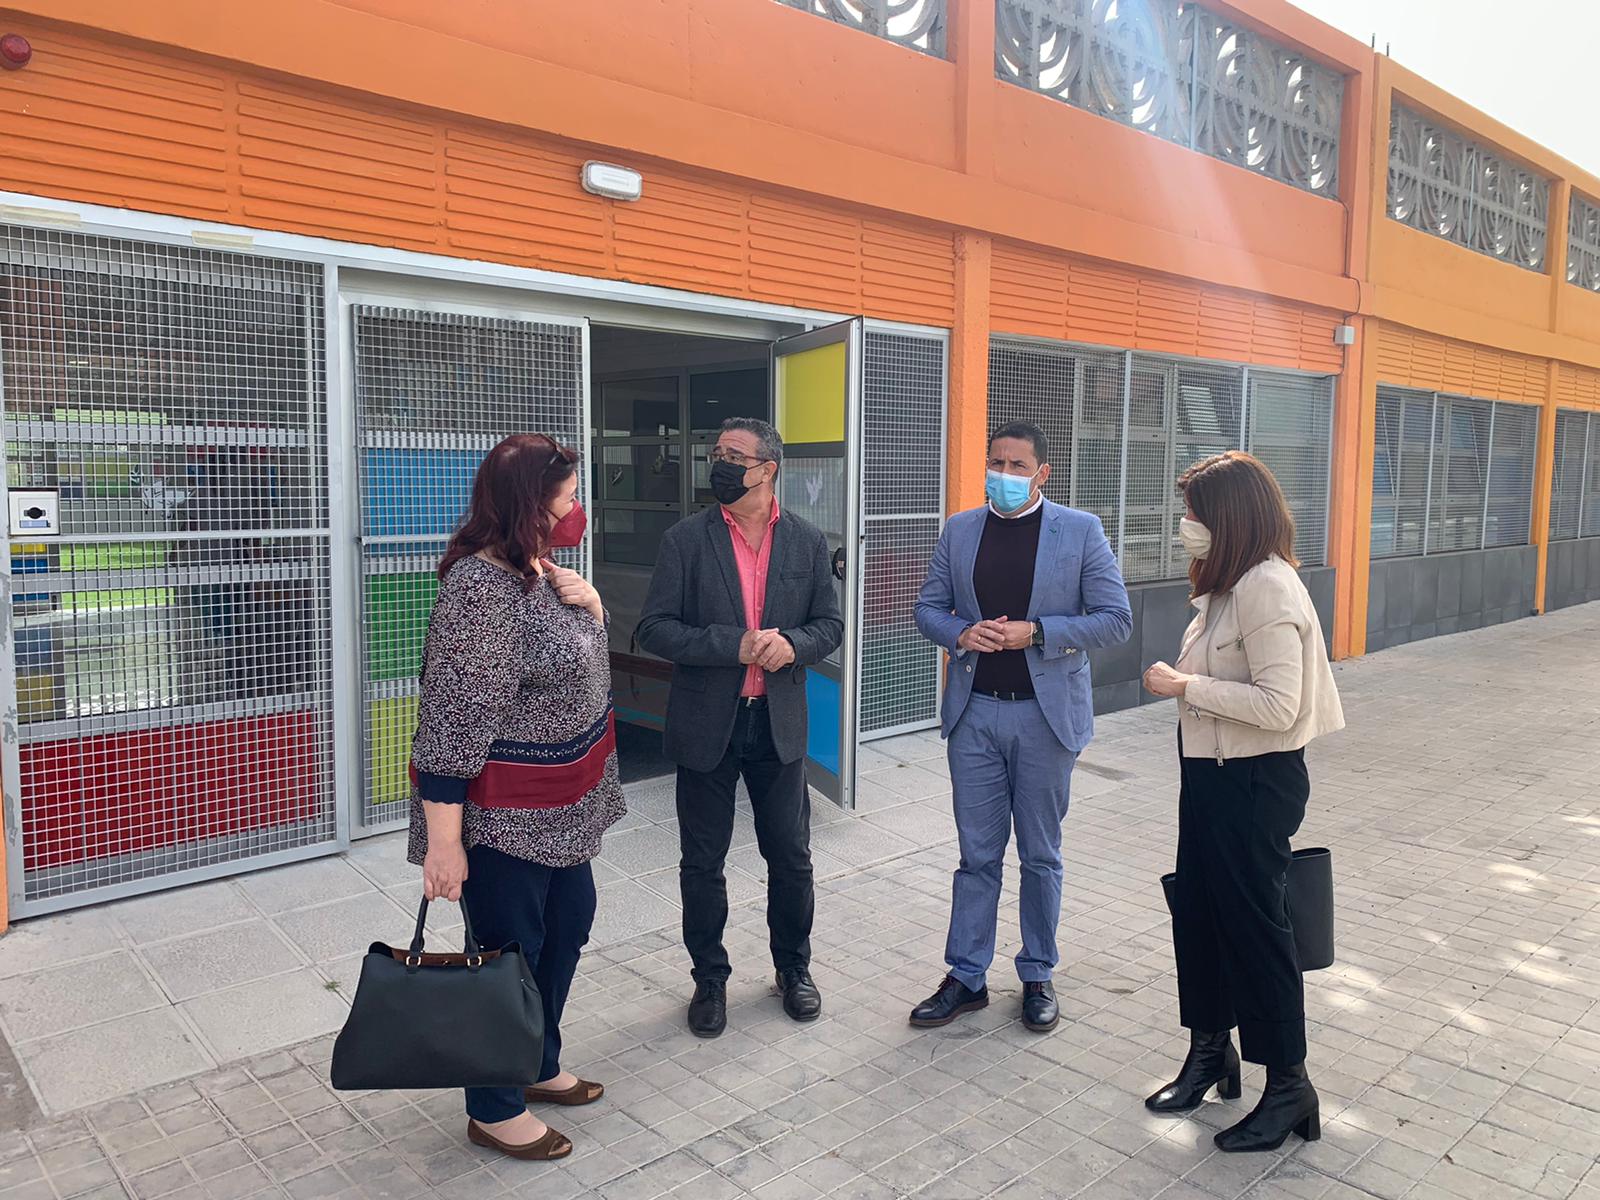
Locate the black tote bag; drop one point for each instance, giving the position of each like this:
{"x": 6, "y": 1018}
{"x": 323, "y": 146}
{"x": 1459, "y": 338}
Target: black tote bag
{"x": 1310, "y": 901}
{"x": 423, "y": 1020}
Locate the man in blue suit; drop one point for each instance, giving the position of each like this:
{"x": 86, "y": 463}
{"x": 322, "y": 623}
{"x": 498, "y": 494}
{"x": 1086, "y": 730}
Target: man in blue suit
{"x": 1017, "y": 592}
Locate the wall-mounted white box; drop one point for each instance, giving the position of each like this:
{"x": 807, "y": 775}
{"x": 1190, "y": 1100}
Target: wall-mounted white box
{"x": 35, "y": 514}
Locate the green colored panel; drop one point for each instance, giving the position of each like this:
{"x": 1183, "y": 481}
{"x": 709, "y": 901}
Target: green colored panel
{"x": 116, "y": 556}
{"x": 393, "y": 724}
{"x": 397, "y": 621}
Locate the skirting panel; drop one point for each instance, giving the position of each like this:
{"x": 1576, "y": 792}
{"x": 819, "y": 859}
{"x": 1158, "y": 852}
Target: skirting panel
{"x": 1409, "y": 599}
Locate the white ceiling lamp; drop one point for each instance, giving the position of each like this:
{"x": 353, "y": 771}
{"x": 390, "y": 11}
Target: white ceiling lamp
{"x": 612, "y": 182}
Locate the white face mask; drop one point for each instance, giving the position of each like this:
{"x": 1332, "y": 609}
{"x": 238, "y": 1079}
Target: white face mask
{"x": 1196, "y": 538}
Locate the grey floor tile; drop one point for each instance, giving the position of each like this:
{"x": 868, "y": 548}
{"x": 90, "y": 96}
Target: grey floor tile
{"x": 255, "y": 1017}
{"x": 183, "y": 911}
{"x": 129, "y": 1054}
{"x": 221, "y": 958}
{"x": 279, "y": 889}
{"x": 62, "y": 998}
{"x": 345, "y": 927}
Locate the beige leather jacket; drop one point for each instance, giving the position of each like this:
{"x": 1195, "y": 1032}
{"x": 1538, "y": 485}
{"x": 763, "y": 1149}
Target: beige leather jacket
{"x": 1263, "y": 681}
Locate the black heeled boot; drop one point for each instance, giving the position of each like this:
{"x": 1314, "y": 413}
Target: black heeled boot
{"x": 1288, "y": 1104}
{"x": 1211, "y": 1060}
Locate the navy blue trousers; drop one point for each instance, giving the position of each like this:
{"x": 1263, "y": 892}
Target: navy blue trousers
{"x": 549, "y": 911}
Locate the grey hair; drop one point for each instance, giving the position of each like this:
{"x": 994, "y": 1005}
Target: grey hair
{"x": 768, "y": 444}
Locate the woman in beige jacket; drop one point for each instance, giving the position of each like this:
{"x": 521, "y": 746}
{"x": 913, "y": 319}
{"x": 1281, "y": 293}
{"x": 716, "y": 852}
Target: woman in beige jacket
{"x": 1253, "y": 687}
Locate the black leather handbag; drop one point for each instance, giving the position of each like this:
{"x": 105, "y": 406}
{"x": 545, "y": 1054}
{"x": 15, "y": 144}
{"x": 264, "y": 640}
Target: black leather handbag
{"x": 423, "y": 1020}
{"x": 1310, "y": 902}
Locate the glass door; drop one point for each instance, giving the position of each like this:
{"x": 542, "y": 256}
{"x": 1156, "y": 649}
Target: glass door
{"x": 817, "y": 410}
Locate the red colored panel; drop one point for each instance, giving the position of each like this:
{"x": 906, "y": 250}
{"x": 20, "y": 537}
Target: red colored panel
{"x": 98, "y": 797}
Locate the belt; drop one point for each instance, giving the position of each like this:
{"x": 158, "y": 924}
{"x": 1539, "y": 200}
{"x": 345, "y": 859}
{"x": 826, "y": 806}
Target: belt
{"x": 1010, "y": 697}
{"x": 752, "y": 701}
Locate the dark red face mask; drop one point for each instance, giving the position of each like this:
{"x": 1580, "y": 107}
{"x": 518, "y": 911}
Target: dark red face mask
{"x": 569, "y": 530}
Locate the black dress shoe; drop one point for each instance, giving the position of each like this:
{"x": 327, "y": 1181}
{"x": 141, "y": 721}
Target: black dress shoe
{"x": 708, "y": 1011}
{"x": 1040, "y": 1012}
{"x": 801, "y": 999}
{"x": 1288, "y": 1104}
{"x": 1212, "y": 1060}
{"x": 951, "y": 1000}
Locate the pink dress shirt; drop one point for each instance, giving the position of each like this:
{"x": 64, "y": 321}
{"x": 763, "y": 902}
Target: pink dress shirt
{"x": 752, "y": 565}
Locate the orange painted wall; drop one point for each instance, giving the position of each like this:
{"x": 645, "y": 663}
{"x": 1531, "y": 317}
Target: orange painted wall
{"x": 127, "y": 128}
{"x": 1046, "y": 295}
{"x": 1577, "y": 387}
{"x": 776, "y": 98}
{"x": 1411, "y": 358}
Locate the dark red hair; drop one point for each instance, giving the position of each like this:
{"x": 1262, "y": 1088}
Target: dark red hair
{"x": 509, "y": 515}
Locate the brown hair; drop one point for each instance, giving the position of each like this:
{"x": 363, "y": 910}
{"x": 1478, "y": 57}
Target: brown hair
{"x": 508, "y": 515}
{"x": 1238, "y": 500}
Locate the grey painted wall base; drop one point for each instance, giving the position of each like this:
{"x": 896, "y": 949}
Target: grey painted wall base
{"x": 1409, "y": 599}
{"x": 1572, "y": 573}
{"x": 1161, "y": 612}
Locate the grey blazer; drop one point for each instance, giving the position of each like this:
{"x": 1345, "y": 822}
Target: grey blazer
{"x": 694, "y": 618}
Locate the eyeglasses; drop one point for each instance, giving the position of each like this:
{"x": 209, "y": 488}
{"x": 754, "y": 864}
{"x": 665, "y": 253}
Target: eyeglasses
{"x": 737, "y": 459}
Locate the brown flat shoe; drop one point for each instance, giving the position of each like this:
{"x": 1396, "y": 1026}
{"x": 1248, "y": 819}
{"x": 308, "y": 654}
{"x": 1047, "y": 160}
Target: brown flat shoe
{"x": 581, "y": 1093}
{"x": 550, "y": 1147}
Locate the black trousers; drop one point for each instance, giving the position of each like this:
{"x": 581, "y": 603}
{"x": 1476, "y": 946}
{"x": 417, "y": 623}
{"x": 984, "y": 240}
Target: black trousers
{"x": 550, "y": 911}
{"x": 1230, "y": 921}
{"x": 783, "y": 832}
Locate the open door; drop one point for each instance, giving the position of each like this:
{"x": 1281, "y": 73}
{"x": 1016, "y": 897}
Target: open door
{"x": 816, "y": 382}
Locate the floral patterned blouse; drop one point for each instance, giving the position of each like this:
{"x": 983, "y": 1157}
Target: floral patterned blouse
{"x": 515, "y": 720}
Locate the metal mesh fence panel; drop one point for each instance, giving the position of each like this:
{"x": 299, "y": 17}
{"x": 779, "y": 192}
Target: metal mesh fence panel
{"x": 434, "y": 393}
{"x": 1402, "y": 464}
{"x": 1291, "y": 431}
{"x": 1076, "y": 397}
{"x": 1208, "y": 409}
{"x": 1591, "y": 481}
{"x": 1460, "y": 474}
{"x": 1514, "y": 447}
{"x": 1566, "y": 489}
{"x": 173, "y": 643}
{"x": 903, "y": 486}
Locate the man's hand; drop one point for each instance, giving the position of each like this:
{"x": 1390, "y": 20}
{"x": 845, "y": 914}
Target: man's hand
{"x": 1016, "y": 635}
{"x": 776, "y": 652}
{"x": 985, "y": 637}
{"x": 754, "y": 644}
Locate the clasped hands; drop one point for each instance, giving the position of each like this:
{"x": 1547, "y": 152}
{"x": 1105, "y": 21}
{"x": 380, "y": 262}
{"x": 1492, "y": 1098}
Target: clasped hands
{"x": 1002, "y": 633}
{"x": 765, "y": 648}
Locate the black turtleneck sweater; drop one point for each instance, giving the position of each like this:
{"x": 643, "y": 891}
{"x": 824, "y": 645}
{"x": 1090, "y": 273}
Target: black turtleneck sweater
{"x": 1003, "y": 579}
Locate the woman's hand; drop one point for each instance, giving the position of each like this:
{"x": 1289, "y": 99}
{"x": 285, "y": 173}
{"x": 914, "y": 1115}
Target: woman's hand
{"x": 1164, "y": 680}
{"x": 572, "y": 588}
{"x": 444, "y": 870}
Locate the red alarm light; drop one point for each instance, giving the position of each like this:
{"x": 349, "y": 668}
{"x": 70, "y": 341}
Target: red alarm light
{"x": 15, "y": 51}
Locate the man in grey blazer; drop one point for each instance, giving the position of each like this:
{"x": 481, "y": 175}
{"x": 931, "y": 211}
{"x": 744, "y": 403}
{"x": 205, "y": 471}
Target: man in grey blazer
{"x": 1017, "y": 592}
{"x": 741, "y": 603}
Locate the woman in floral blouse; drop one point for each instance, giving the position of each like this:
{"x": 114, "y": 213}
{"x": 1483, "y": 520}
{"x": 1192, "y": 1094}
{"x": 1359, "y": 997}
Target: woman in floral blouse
{"x": 514, "y": 766}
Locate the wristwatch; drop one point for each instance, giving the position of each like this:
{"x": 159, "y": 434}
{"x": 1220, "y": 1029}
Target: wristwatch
{"x": 1038, "y": 635}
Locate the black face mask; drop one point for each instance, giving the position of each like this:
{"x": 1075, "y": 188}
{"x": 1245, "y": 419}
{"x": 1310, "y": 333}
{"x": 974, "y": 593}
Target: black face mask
{"x": 727, "y": 482}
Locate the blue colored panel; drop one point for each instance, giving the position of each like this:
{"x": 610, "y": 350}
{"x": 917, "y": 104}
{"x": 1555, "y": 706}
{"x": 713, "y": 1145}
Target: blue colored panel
{"x": 412, "y": 492}
{"x": 822, "y": 698}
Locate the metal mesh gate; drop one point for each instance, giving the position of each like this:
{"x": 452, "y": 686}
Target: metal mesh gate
{"x": 434, "y": 393}
{"x": 172, "y": 644}
{"x": 903, "y": 485}
{"x": 1123, "y": 426}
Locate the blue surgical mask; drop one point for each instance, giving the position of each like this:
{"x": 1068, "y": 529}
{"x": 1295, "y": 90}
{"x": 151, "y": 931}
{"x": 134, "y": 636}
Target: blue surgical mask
{"x": 1008, "y": 492}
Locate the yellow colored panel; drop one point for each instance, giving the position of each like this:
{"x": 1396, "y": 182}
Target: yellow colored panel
{"x": 811, "y": 395}
{"x": 393, "y": 724}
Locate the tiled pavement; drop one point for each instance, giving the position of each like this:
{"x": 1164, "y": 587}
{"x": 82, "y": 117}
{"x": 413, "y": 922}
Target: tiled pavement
{"x": 1456, "y": 1044}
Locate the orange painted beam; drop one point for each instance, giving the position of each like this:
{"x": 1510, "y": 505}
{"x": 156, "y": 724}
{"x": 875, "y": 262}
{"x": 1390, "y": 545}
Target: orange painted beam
{"x": 336, "y": 45}
{"x": 967, "y": 435}
{"x": 1358, "y": 414}
{"x": 1343, "y": 483}
{"x": 972, "y": 50}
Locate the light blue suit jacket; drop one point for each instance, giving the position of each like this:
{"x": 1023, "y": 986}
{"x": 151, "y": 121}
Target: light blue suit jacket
{"x": 1078, "y": 598}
